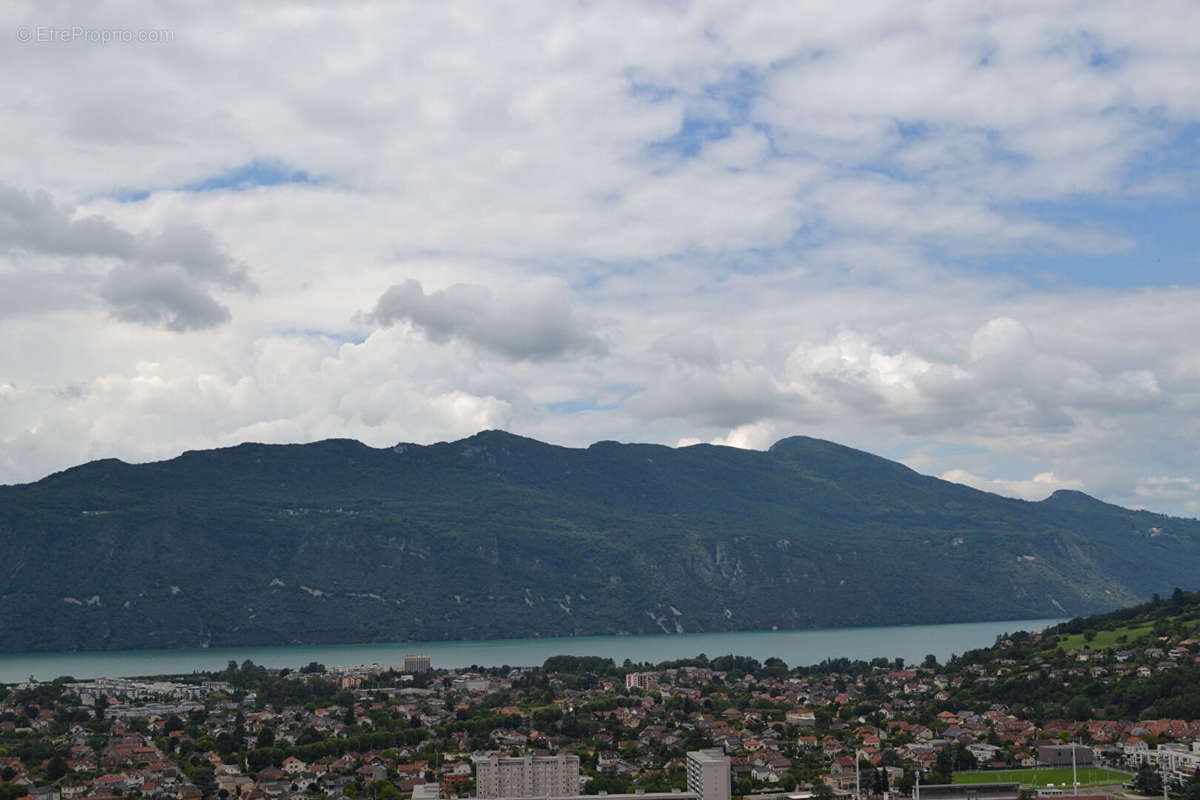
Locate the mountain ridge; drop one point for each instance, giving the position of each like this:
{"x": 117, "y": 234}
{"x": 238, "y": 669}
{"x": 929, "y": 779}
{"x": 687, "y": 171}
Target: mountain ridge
{"x": 501, "y": 535}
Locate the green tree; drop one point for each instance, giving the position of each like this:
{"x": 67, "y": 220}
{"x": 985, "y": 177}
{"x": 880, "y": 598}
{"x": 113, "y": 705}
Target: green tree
{"x": 202, "y": 777}
{"x": 1191, "y": 789}
{"x": 1147, "y": 780}
{"x": 56, "y": 768}
{"x": 1079, "y": 708}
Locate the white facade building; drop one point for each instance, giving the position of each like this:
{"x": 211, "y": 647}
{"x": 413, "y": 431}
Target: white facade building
{"x": 641, "y": 680}
{"x": 527, "y": 776}
{"x": 427, "y": 791}
{"x": 1176, "y": 761}
{"x": 708, "y": 774}
{"x": 417, "y": 663}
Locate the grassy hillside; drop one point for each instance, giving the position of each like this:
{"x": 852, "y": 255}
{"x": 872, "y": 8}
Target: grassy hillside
{"x": 498, "y": 535}
{"x": 1141, "y": 662}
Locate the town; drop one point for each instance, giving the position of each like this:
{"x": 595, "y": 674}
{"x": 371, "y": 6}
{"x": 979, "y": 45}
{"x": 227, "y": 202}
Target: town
{"x": 707, "y": 729}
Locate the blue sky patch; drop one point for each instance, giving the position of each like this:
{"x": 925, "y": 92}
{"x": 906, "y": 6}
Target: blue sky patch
{"x": 129, "y": 195}
{"x": 712, "y": 114}
{"x": 252, "y": 174}
{"x": 1166, "y": 251}
{"x": 622, "y": 391}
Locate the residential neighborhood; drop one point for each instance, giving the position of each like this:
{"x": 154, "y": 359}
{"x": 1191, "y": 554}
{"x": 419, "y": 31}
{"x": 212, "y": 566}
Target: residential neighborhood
{"x": 377, "y": 731}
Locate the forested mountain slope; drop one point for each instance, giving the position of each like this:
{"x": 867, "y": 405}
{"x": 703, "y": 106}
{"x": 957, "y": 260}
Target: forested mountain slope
{"x": 498, "y": 535}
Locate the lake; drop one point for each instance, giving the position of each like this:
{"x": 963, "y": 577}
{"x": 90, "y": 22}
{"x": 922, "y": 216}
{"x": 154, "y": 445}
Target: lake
{"x": 800, "y": 647}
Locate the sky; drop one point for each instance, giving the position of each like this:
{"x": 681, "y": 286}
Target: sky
{"x": 961, "y": 235}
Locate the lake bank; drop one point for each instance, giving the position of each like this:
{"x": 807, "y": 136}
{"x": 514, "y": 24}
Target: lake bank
{"x": 799, "y": 647}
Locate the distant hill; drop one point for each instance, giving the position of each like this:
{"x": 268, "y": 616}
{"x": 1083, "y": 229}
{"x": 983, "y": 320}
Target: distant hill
{"x": 503, "y": 536}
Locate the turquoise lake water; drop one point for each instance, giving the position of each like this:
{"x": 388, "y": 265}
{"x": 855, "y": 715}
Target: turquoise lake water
{"x": 802, "y": 647}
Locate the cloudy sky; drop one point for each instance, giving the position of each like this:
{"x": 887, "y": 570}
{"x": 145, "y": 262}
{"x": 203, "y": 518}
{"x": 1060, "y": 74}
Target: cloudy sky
{"x": 962, "y": 235}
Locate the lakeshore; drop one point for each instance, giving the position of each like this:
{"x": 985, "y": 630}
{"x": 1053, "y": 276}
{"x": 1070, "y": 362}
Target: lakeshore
{"x": 796, "y": 647}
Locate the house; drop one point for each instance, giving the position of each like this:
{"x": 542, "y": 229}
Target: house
{"x": 452, "y": 784}
{"x": 1134, "y": 747}
{"x": 766, "y": 774}
{"x": 269, "y": 775}
{"x": 71, "y": 787}
{"x": 275, "y": 789}
{"x": 801, "y": 718}
{"x": 335, "y": 784}
{"x": 372, "y": 772}
{"x": 408, "y": 784}
{"x": 984, "y": 753}
{"x": 294, "y": 766}
{"x": 842, "y": 772}
{"x": 151, "y": 789}
{"x": 115, "y": 783}
{"x": 235, "y": 784}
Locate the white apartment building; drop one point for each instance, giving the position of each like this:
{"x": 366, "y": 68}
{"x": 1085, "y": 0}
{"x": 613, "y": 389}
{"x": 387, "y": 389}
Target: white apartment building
{"x": 417, "y": 663}
{"x": 641, "y": 680}
{"x": 427, "y": 791}
{"x": 1177, "y": 761}
{"x": 708, "y": 774}
{"x": 527, "y": 776}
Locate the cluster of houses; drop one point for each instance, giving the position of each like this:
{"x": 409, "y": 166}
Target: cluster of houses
{"x": 781, "y": 731}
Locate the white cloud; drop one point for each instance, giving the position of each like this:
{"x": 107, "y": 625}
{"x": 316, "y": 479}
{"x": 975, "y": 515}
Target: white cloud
{"x": 1162, "y": 487}
{"x": 704, "y": 221}
{"x": 1039, "y": 487}
{"x": 755, "y": 436}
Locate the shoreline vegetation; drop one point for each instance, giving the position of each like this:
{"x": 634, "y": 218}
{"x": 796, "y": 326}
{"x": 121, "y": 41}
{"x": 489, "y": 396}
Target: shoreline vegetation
{"x": 801, "y": 647}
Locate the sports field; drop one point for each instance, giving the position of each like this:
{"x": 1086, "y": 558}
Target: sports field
{"x": 1041, "y": 777}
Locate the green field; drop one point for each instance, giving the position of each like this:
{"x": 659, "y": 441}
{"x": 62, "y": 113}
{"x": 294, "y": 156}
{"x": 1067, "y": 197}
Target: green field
{"x": 1039, "y": 777}
{"x": 1105, "y": 639}
{"x": 1127, "y": 635}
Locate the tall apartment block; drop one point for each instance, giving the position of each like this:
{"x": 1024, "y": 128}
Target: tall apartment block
{"x": 641, "y": 680}
{"x": 529, "y": 776}
{"x": 708, "y": 774}
{"x": 417, "y": 663}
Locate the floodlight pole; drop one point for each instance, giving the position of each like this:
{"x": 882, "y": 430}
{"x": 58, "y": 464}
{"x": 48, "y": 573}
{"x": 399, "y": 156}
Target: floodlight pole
{"x": 1074, "y": 773}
